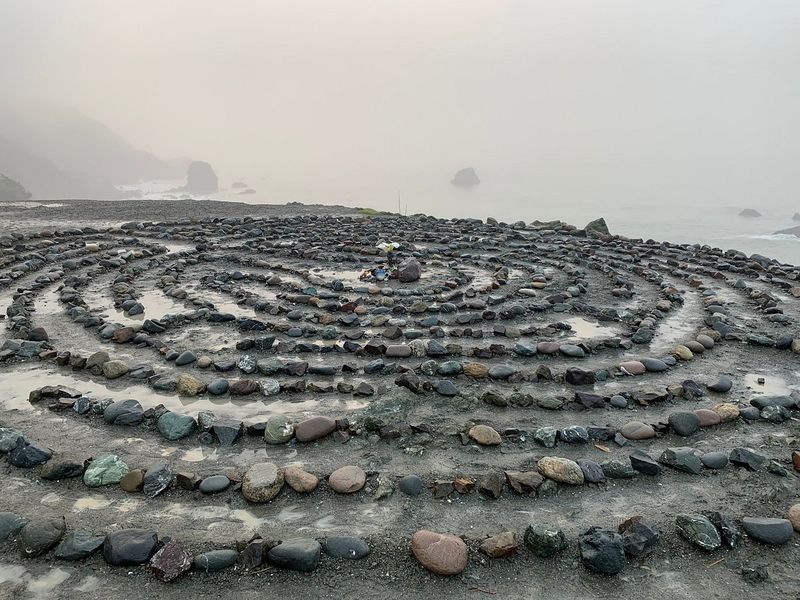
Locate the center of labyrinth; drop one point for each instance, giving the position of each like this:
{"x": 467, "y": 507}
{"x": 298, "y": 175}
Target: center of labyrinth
{"x": 244, "y": 392}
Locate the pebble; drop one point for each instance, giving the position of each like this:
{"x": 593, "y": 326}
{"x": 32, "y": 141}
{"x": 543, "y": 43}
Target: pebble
{"x": 714, "y": 460}
{"x": 262, "y": 482}
{"x": 636, "y": 430}
{"x": 722, "y": 385}
{"x": 132, "y": 481}
{"x": 544, "y": 540}
{"x": 78, "y": 545}
{"x": 106, "y": 470}
{"x": 347, "y": 480}
{"x": 299, "y": 554}
{"x": 639, "y": 537}
{"x": 410, "y": 485}
{"x": 500, "y": 545}
{"x": 602, "y": 551}
{"x": 214, "y": 484}
{"x": 299, "y": 480}
{"x": 157, "y": 478}
{"x": 708, "y": 418}
{"x": 562, "y": 470}
{"x": 774, "y": 532}
{"x": 794, "y": 518}
{"x": 747, "y": 457}
{"x": 644, "y": 463}
{"x": 279, "y": 429}
{"x": 10, "y": 524}
{"x": 215, "y": 560}
{"x": 440, "y": 553}
{"x": 175, "y": 426}
{"x": 698, "y": 530}
{"x": 41, "y": 535}
{"x": 485, "y": 435}
{"x": 129, "y": 546}
{"x": 345, "y": 546}
{"x": 171, "y": 561}
{"x": 684, "y": 423}
{"x": 314, "y": 428}
{"x": 682, "y": 459}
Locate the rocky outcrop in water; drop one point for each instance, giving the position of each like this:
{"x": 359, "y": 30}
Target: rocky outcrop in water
{"x": 201, "y": 179}
{"x": 465, "y": 178}
{"x": 749, "y": 212}
{"x": 11, "y": 190}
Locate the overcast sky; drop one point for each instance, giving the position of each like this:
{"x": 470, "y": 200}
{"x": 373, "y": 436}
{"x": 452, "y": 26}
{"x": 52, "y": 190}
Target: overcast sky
{"x": 676, "y": 92}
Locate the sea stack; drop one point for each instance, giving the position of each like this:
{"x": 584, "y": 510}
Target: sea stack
{"x": 201, "y": 179}
{"x": 465, "y": 178}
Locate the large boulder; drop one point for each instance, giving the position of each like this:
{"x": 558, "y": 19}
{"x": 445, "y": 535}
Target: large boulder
{"x": 201, "y": 179}
{"x": 597, "y": 228}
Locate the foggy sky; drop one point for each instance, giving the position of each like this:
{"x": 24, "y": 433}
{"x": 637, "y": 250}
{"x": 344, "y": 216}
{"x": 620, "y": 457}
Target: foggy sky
{"x": 612, "y": 96}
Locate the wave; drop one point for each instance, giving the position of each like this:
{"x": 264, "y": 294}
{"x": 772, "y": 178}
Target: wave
{"x": 774, "y": 237}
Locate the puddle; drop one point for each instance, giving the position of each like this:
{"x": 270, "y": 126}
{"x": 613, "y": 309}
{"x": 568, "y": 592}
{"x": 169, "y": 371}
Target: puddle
{"x": 90, "y": 503}
{"x": 90, "y": 584}
{"x": 680, "y": 325}
{"x": 772, "y": 386}
{"x": 40, "y": 587}
{"x": 156, "y": 306}
{"x": 583, "y": 329}
{"x": 198, "y": 454}
{"x": 37, "y": 587}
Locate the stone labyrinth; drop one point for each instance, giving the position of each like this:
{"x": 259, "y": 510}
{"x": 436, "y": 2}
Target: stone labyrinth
{"x": 227, "y": 396}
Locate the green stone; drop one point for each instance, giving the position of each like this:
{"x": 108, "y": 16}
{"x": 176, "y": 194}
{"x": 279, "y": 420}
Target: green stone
{"x": 278, "y": 430}
{"x": 175, "y": 426}
{"x": 106, "y": 470}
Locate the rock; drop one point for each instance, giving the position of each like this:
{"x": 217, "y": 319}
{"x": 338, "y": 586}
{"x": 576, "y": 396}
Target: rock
{"x": 130, "y": 546}
{"x": 546, "y": 436}
{"x": 218, "y": 387}
{"x": 262, "y": 482}
{"x": 200, "y": 178}
{"x": 345, "y": 546}
{"x": 114, "y": 369}
{"x": 410, "y": 485}
{"x": 749, "y": 212}
{"x": 157, "y": 478}
{"x": 500, "y": 545}
{"x": 616, "y": 469}
{"x": 683, "y": 459}
{"x": 727, "y": 412}
{"x": 644, "y": 463}
{"x": 634, "y": 367}
{"x": 708, "y": 418}
{"x": 62, "y": 468}
{"x": 465, "y": 178}
{"x": 597, "y": 228}
{"x": 278, "y": 430}
{"x": 440, "y": 553}
{"x": 106, "y": 470}
{"x": 215, "y": 560}
{"x": 172, "y": 561}
{"x": 298, "y": 554}
{"x": 214, "y": 484}
{"x": 638, "y": 536}
{"x": 774, "y": 532}
{"x": 602, "y": 550}
{"x": 562, "y": 470}
{"x": 684, "y": 423}
{"x": 300, "y": 480}
{"x": 124, "y": 412}
{"x": 544, "y": 541}
{"x": 409, "y": 271}
{"x": 485, "y": 435}
{"x": 347, "y": 480}
{"x": 175, "y": 426}
{"x": 26, "y": 455}
{"x": 227, "y": 431}
{"x": 41, "y": 535}
{"x": 699, "y": 531}
{"x": 491, "y": 485}
{"x": 592, "y": 471}
{"x": 189, "y": 385}
{"x": 794, "y": 518}
{"x": 727, "y": 528}
{"x": 8, "y": 439}
{"x": 10, "y": 525}
{"x": 133, "y": 481}
{"x": 78, "y": 545}
{"x": 714, "y": 460}
{"x": 185, "y": 358}
{"x": 722, "y": 385}
{"x": 748, "y": 458}
{"x": 524, "y": 482}
{"x": 314, "y": 428}
{"x": 636, "y": 430}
